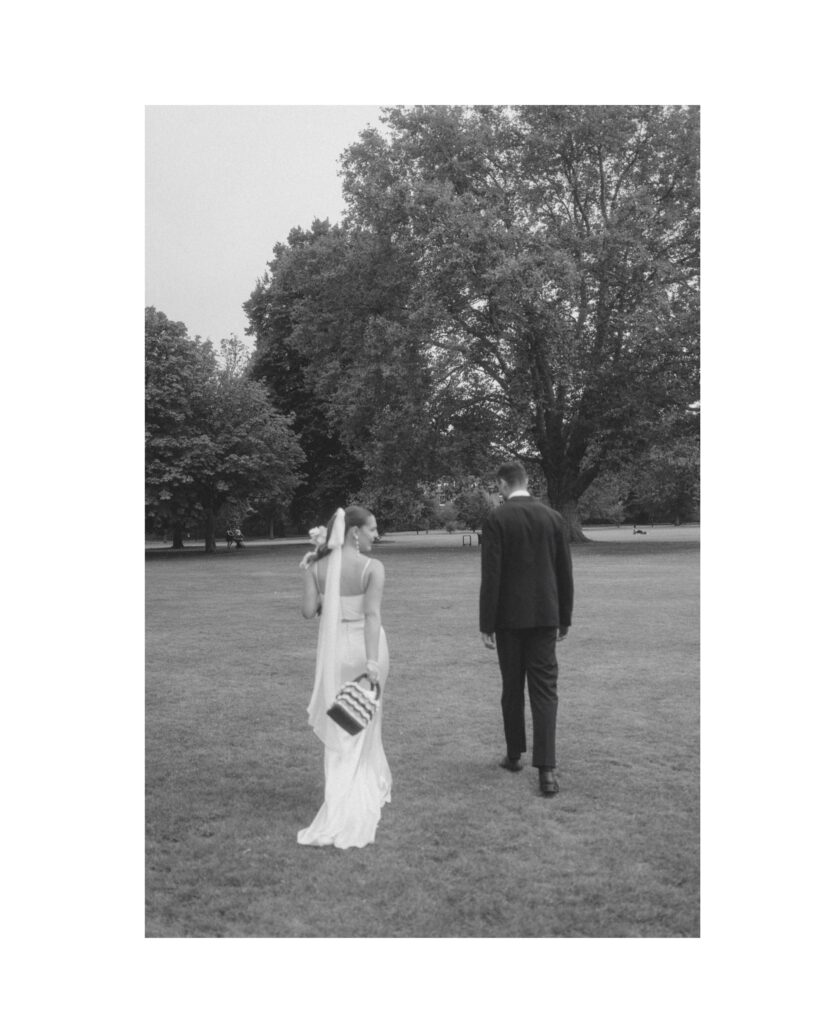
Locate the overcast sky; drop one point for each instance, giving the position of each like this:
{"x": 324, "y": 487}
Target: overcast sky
{"x": 223, "y": 184}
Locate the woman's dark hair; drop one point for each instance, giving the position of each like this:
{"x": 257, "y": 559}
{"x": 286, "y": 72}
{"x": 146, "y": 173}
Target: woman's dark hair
{"x": 354, "y": 515}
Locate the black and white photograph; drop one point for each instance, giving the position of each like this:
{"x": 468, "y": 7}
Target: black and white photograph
{"x": 422, "y": 521}
{"x": 401, "y": 407}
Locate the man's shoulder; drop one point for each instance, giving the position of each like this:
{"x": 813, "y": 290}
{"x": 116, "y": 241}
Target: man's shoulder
{"x": 529, "y": 507}
{"x": 553, "y": 514}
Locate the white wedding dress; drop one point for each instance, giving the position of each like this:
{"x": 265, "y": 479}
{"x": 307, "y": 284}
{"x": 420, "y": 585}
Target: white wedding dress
{"x": 357, "y": 779}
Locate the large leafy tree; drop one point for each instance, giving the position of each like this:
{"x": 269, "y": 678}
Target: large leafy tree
{"x": 178, "y": 371}
{"x": 289, "y": 324}
{"x": 554, "y": 255}
{"x": 338, "y": 349}
{"x": 665, "y": 478}
{"x": 212, "y": 436}
{"x": 660, "y": 484}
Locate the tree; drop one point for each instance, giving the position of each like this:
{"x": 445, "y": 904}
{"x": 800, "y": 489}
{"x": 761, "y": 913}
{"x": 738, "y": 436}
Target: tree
{"x": 396, "y": 507}
{"x": 289, "y": 363}
{"x": 661, "y": 483}
{"x": 473, "y": 506}
{"x": 665, "y": 479}
{"x": 178, "y": 370}
{"x": 604, "y": 500}
{"x": 335, "y": 346}
{"x": 211, "y": 433}
{"x": 555, "y": 256}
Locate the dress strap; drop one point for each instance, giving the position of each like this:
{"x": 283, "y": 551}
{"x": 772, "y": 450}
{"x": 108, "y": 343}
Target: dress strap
{"x": 364, "y": 572}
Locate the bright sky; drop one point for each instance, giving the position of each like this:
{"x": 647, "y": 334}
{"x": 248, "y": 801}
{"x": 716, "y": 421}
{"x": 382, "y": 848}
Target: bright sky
{"x": 223, "y": 184}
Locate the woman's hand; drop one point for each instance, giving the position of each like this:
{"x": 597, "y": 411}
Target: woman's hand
{"x": 373, "y": 671}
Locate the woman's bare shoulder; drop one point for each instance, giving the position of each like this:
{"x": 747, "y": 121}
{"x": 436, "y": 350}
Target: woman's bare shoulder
{"x": 375, "y": 569}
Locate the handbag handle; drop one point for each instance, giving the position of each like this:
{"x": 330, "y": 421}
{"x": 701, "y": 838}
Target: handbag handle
{"x": 373, "y": 685}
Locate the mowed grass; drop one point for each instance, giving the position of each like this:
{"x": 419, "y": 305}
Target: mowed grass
{"x": 464, "y": 849}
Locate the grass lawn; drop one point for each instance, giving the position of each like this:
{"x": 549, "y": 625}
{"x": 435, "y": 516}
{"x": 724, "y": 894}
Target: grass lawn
{"x": 465, "y": 848}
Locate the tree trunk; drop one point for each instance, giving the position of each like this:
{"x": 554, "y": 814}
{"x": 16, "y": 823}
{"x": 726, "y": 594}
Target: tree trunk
{"x": 177, "y": 535}
{"x": 210, "y": 532}
{"x": 568, "y": 509}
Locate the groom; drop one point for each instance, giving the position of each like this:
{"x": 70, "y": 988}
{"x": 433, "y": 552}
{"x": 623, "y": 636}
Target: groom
{"x": 526, "y": 600}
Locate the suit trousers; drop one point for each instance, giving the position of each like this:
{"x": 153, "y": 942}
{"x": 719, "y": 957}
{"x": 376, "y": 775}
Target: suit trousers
{"x": 529, "y": 654}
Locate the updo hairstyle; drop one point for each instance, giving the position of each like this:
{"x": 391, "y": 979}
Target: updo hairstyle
{"x": 354, "y": 515}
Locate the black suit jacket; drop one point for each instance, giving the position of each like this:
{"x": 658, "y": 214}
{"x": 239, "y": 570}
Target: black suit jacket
{"x": 526, "y": 568}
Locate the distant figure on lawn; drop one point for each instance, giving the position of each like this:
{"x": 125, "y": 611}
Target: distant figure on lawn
{"x": 526, "y": 597}
{"x": 234, "y": 536}
{"x": 344, "y": 586}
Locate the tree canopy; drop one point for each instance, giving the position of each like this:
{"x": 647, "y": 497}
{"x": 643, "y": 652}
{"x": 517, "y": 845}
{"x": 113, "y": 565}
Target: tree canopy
{"x": 508, "y": 282}
{"x": 211, "y": 433}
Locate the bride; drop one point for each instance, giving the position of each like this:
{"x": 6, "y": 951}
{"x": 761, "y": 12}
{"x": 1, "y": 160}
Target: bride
{"x": 344, "y": 587}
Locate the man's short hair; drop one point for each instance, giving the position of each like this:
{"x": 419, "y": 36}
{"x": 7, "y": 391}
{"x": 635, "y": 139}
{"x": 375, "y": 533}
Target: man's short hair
{"x": 513, "y": 474}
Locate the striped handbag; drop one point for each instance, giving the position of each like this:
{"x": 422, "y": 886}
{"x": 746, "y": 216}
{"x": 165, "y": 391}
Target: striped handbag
{"x": 354, "y": 707}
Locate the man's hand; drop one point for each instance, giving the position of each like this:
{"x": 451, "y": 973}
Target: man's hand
{"x": 488, "y": 640}
{"x": 563, "y": 632}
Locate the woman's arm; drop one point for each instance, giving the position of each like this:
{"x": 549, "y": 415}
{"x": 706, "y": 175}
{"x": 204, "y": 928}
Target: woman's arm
{"x": 372, "y": 610}
{"x": 311, "y": 598}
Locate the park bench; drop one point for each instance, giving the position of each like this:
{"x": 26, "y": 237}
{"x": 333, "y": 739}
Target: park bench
{"x": 234, "y": 537}
{"x": 466, "y": 539}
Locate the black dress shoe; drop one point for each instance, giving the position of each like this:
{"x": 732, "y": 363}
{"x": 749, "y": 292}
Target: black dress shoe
{"x": 511, "y": 764}
{"x": 548, "y": 782}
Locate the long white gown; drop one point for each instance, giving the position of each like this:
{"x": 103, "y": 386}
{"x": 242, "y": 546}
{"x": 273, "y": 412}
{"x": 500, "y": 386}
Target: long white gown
{"x": 357, "y": 778}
